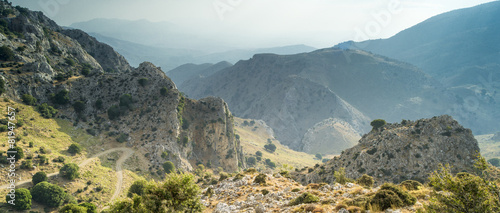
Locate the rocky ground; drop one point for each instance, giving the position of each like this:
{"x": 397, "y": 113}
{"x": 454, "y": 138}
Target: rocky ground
{"x": 278, "y": 193}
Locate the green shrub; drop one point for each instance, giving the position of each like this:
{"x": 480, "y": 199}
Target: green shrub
{"x": 62, "y": 97}
{"x": 238, "y": 176}
{"x": 138, "y": 188}
{"x": 164, "y": 155}
{"x": 305, "y": 197}
{"x": 39, "y": 177}
{"x": 270, "y": 147}
{"x": 223, "y": 176}
{"x": 70, "y": 171}
{"x": 28, "y": 99}
{"x": 6, "y": 54}
{"x": 296, "y": 190}
{"x": 22, "y": 199}
{"x": 260, "y": 179}
{"x": 407, "y": 199}
{"x": 20, "y": 153}
{"x": 340, "y": 176}
{"x": 79, "y": 106}
{"x": 43, "y": 159}
{"x": 365, "y": 180}
{"x": 143, "y": 82}
{"x": 385, "y": 199}
{"x": 270, "y": 163}
{"x": 2, "y": 86}
{"x": 3, "y": 128}
{"x": 169, "y": 167}
{"x": 91, "y": 208}
{"x": 75, "y": 149}
{"x": 122, "y": 138}
{"x": 462, "y": 193}
{"x": 411, "y": 185}
{"x": 27, "y": 164}
{"x": 164, "y": 91}
{"x": 377, "y": 123}
{"x": 48, "y": 194}
{"x": 258, "y": 153}
{"x": 251, "y": 161}
{"x": 73, "y": 208}
{"x": 126, "y": 101}
{"x": 264, "y": 192}
{"x": 47, "y": 111}
{"x": 98, "y": 104}
{"x": 114, "y": 112}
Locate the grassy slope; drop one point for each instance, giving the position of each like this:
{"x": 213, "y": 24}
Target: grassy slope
{"x": 253, "y": 138}
{"x": 56, "y": 135}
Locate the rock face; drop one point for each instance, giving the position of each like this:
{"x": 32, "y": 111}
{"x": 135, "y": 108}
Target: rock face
{"x": 330, "y": 133}
{"x": 496, "y": 137}
{"x": 154, "y": 117}
{"x": 293, "y": 93}
{"x": 404, "y": 151}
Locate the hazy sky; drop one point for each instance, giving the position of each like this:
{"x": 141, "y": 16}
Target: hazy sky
{"x": 318, "y": 23}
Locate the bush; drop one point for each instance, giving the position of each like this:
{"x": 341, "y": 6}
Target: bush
{"x": 169, "y": 167}
{"x": 365, "y": 180}
{"x": 98, "y": 104}
{"x": 46, "y": 111}
{"x": 126, "y": 101}
{"x": 79, "y": 106}
{"x": 164, "y": 91}
{"x": 43, "y": 159}
{"x": 251, "y": 161}
{"x": 39, "y": 177}
{"x": 270, "y": 147}
{"x": 340, "y": 176}
{"x": 20, "y": 153}
{"x": 223, "y": 176}
{"x": 377, "y": 123}
{"x": 258, "y": 153}
{"x": 114, "y": 112}
{"x": 69, "y": 61}
{"x": 91, "y": 208}
{"x": 411, "y": 185}
{"x": 305, "y": 197}
{"x": 2, "y": 86}
{"x": 138, "y": 188}
{"x": 463, "y": 193}
{"x": 27, "y": 164}
{"x": 319, "y": 156}
{"x": 22, "y": 200}
{"x": 28, "y": 99}
{"x": 143, "y": 82}
{"x": 75, "y": 149}
{"x": 407, "y": 199}
{"x": 48, "y": 194}
{"x": 73, "y": 208}
{"x": 70, "y": 171}
{"x": 385, "y": 199}
{"x": 62, "y": 97}
{"x": 3, "y": 128}
{"x": 260, "y": 179}
{"x": 6, "y": 54}
{"x": 270, "y": 163}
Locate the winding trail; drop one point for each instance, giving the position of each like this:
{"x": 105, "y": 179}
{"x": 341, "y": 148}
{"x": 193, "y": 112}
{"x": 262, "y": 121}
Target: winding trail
{"x": 127, "y": 153}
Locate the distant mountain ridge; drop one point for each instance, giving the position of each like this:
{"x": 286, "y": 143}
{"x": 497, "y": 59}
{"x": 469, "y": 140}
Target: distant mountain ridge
{"x": 293, "y": 93}
{"x": 461, "y": 49}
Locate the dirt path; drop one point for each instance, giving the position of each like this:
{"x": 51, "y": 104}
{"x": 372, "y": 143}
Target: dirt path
{"x": 127, "y": 152}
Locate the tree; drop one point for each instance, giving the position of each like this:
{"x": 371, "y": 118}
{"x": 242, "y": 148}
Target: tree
{"x": 270, "y": 147}
{"x": 19, "y": 153}
{"x": 22, "y": 199}
{"x": 164, "y": 91}
{"x": 138, "y": 188}
{"x": 377, "y": 123}
{"x": 48, "y": 194}
{"x": 75, "y": 149}
{"x": 73, "y": 208}
{"x": 91, "y": 208}
{"x": 495, "y": 162}
{"x": 70, "y": 171}
{"x": 126, "y": 101}
{"x": 39, "y": 177}
{"x": 319, "y": 156}
{"x": 251, "y": 161}
{"x": 6, "y": 54}
{"x": 79, "y": 106}
{"x": 47, "y": 111}
{"x": 28, "y": 99}
{"x": 258, "y": 153}
{"x": 62, "y": 97}
{"x": 169, "y": 167}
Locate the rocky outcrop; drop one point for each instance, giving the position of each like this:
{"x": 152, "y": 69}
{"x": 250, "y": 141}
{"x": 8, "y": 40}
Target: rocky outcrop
{"x": 404, "y": 151}
{"x": 332, "y": 132}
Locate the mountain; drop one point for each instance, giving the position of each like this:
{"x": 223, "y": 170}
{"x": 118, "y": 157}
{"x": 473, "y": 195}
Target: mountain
{"x": 409, "y": 150}
{"x": 460, "y": 49}
{"x": 293, "y": 93}
{"x": 169, "y": 45}
{"x": 67, "y": 74}
{"x": 188, "y": 71}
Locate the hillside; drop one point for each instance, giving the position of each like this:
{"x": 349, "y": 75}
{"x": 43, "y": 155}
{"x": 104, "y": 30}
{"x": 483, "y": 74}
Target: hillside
{"x": 304, "y": 90}
{"x": 187, "y": 71}
{"x": 409, "y": 150}
{"x": 460, "y": 49}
